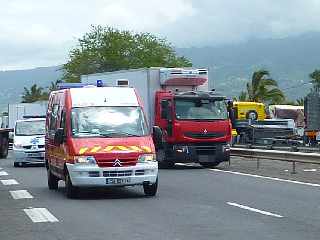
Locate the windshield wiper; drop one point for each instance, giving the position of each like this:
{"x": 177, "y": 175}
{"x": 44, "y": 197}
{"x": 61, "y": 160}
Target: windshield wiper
{"x": 110, "y": 134}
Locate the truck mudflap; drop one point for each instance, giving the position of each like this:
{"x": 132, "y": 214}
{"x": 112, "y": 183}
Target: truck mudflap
{"x": 201, "y": 153}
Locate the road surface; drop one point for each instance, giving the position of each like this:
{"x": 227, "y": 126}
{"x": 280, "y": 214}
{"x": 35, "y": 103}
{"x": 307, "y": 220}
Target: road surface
{"x": 192, "y": 203}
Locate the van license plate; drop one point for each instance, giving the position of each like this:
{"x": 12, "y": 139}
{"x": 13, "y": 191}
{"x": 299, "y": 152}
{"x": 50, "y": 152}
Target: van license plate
{"x": 118, "y": 180}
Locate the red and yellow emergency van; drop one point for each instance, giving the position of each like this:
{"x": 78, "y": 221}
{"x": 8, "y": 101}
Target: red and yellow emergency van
{"x": 99, "y": 137}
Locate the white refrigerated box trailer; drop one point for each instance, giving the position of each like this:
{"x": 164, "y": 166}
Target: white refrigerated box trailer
{"x": 147, "y": 81}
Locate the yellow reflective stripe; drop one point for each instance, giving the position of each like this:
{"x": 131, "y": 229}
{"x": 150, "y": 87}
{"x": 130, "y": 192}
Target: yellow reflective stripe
{"x": 108, "y": 148}
{"x": 147, "y": 149}
{"x": 95, "y": 149}
{"x": 123, "y": 148}
{"x": 83, "y": 150}
{"x": 135, "y": 148}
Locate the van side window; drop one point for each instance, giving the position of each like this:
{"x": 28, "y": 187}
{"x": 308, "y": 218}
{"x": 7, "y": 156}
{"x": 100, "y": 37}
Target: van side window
{"x": 63, "y": 120}
{"x": 53, "y": 117}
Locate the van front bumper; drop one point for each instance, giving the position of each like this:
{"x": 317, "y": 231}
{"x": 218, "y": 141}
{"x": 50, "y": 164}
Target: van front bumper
{"x": 28, "y": 157}
{"x": 95, "y": 176}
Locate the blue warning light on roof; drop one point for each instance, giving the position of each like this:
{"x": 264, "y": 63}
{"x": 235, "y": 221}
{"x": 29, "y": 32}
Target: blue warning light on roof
{"x": 99, "y": 83}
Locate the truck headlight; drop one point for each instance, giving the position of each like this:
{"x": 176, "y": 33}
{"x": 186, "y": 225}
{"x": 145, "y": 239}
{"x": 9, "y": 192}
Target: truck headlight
{"x": 85, "y": 160}
{"x": 147, "y": 158}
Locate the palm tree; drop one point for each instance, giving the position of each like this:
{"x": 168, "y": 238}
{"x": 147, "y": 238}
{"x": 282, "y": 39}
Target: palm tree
{"x": 300, "y": 102}
{"x": 34, "y": 94}
{"x": 264, "y": 89}
{"x": 315, "y": 79}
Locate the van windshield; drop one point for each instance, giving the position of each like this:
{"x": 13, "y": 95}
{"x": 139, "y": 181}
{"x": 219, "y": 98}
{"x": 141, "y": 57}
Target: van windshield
{"x": 30, "y": 128}
{"x": 108, "y": 122}
{"x": 200, "y": 109}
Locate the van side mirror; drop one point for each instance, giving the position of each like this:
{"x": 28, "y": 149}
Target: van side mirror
{"x": 59, "y": 136}
{"x": 157, "y": 137}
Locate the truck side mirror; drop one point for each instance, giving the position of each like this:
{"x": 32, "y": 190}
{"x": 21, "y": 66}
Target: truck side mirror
{"x": 59, "y": 136}
{"x": 157, "y": 137}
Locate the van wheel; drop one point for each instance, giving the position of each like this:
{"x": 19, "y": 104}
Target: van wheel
{"x": 150, "y": 190}
{"x": 71, "y": 191}
{"x": 52, "y": 181}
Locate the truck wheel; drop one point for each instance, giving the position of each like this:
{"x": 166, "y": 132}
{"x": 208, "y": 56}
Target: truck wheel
{"x": 4, "y": 148}
{"x": 150, "y": 190}
{"x": 166, "y": 165}
{"x": 209, "y": 164}
{"x": 52, "y": 180}
{"x": 71, "y": 191}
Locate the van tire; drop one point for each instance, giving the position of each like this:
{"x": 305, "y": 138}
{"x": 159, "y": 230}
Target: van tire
{"x": 150, "y": 190}
{"x": 52, "y": 180}
{"x": 71, "y": 191}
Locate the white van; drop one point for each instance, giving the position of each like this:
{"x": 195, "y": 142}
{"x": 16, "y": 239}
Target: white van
{"x": 28, "y": 141}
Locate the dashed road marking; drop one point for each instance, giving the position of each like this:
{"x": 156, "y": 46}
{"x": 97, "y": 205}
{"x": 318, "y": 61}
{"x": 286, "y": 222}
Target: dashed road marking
{"x": 254, "y": 210}
{"x": 9, "y": 182}
{"x": 38, "y": 215}
{"x": 20, "y": 194}
{"x": 3, "y": 173}
{"x": 310, "y": 170}
{"x": 269, "y": 178}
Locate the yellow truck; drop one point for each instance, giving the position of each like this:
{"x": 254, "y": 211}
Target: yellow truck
{"x": 249, "y": 110}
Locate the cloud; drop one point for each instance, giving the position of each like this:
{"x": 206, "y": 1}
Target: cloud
{"x": 40, "y": 33}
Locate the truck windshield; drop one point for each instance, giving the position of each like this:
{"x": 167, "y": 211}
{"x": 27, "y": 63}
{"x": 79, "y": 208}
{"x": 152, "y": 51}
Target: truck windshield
{"x": 200, "y": 109}
{"x": 108, "y": 122}
{"x": 30, "y": 128}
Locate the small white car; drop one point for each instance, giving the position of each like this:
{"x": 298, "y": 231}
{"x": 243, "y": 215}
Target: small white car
{"x": 28, "y": 141}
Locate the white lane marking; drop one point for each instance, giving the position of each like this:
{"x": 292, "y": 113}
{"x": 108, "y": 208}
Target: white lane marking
{"x": 20, "y": 194}
{"x": 310, "y": 170}
{"x": 9, "y": 182}
{"x": 254, "y": 210}
{"x": 1, "y": 168}
{"x": 38, "y": 215}
{"x": 3, "y": 173}
{"x": 269, "y": 178}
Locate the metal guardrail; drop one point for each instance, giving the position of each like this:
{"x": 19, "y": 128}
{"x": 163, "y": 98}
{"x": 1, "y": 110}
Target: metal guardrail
{"x": 293, "y": 157}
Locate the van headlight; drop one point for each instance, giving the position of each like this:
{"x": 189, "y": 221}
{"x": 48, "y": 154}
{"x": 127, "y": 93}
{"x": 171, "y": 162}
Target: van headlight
{"x": 85, "y": 160}
{"x": 17, "y": 145}
{"x": 147, "y": 158}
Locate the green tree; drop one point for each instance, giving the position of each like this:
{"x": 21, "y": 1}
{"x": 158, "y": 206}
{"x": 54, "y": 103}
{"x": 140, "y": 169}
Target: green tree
{"x": 34, "y": 94}
{"x": 263, "y": 88}
{"x": 108, "y": 49}
{"x": 315, "y": 79}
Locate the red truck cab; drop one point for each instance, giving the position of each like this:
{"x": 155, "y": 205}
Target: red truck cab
{"x": 195, "y": 125}
{"x": 99, "y": 137}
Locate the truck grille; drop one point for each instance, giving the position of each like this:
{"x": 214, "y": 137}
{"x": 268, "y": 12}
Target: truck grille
{"x": 125, "y": 173}
{"x": 203, "y": 135}
{"x": 206, "y": 150}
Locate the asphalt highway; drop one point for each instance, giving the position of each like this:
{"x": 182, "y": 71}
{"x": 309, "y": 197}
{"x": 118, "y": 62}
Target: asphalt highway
{"x": 192, "y": 203}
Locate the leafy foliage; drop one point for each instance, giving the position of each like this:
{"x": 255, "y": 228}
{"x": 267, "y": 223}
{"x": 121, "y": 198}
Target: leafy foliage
{"x": 108, "y": 49}
{"x": 300, "y": 102}
{"x": 34, "y": 94}
{"x": 264, "y": 89}
{"x": 315, "y": 79}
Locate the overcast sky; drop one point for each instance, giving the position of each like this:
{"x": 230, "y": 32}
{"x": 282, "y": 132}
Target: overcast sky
{"x": 41, "y": 32}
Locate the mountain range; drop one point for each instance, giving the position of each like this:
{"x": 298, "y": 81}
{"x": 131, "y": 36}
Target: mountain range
{"x": 290, "y": 60}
